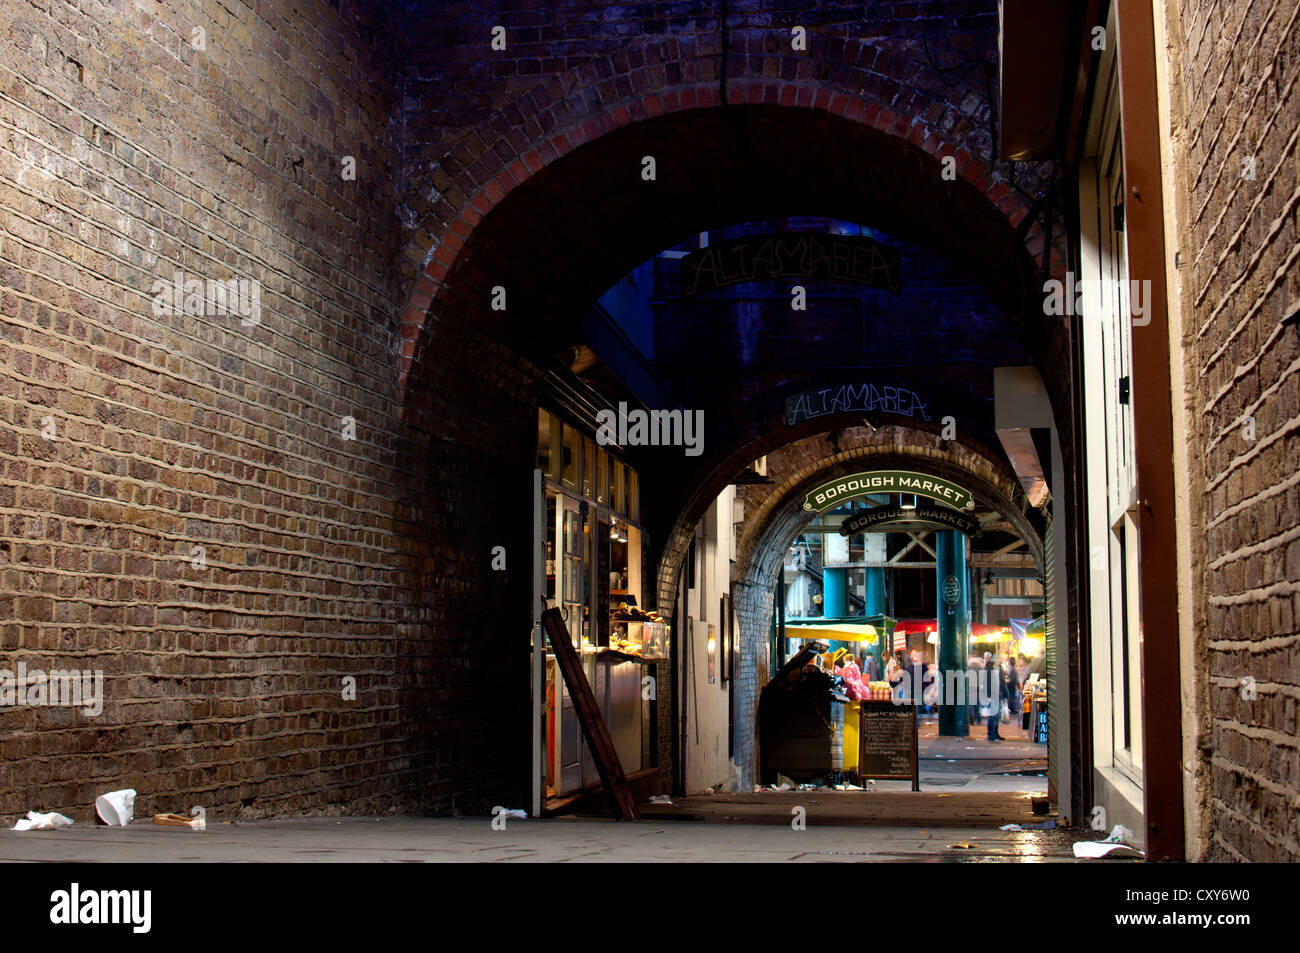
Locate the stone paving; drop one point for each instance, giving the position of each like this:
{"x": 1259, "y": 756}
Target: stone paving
{"x": 468, "y": 840}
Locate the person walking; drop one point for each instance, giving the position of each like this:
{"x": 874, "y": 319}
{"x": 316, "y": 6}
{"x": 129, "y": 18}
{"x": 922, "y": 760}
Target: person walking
{"x": 991, "y": 707}
{"x": 1013, "y": 687}
{"x": 871, "y": 669}
{"x": 894, "y": 674}
{"x": 974, "y": 706}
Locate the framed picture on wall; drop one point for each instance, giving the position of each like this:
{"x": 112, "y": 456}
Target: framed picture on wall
{"x": 726, "y": 648}
{"x": 713, "y": 653}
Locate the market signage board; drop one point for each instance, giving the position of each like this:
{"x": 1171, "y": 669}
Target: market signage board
{"x": 887, "y": 744}
{"x": 808, "y": 255}
{"x": 883, "y": 516}
{"x": 862, "y": 397}
{"x": 836, "y": 492}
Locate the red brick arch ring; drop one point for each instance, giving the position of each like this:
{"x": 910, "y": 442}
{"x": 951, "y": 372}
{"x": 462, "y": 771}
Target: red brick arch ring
{"x": 546, "y": 198}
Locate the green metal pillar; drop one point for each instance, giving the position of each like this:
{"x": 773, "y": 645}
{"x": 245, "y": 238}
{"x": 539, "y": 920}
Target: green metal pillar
{"x": 875, "y": 605}
{"x": 835, "y": 592}
{"x": 953, "y": 611}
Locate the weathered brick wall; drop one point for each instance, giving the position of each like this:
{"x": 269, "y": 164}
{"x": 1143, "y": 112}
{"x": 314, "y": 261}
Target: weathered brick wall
{"x": 1233, "y": 69}
{"x": 126, "y": 154}
{"x": 484, "y": 125}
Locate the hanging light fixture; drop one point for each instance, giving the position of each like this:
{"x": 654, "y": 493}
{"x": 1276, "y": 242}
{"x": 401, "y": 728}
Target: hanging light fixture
{"x": 904, "y": 504}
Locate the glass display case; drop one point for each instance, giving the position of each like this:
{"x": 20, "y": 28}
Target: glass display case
{"x": 649, "y": 640}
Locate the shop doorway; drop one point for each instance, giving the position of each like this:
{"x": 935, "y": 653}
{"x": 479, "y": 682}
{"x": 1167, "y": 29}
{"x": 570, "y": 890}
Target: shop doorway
{"x": 590, "y": 563}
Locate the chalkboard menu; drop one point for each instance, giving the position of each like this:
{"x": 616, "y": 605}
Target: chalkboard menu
{"x": 887, "y": 742}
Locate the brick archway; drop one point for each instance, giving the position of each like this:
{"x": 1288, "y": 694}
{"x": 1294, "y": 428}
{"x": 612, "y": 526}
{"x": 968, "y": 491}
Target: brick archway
{"x": 469, "y": 374}
{"x": 845, "y": 99}
{"x": 780, "y": 514}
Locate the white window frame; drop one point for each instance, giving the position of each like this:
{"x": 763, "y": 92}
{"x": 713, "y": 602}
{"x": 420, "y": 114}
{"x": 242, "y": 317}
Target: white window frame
{"x": 1111, "y": 474}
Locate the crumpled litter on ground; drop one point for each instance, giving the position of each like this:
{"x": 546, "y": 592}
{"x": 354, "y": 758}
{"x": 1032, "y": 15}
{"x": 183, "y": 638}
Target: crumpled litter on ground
{"x": 661, "y": 799}
{"x": 180, "y": 820}
{"x": 783, "y": 783}
{"x": 510, "y": 812}
{"x": 36, "y": 821}
{"x": 1118, "y": 839}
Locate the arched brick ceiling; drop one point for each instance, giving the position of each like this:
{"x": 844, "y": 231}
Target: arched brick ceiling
{"x": 567, "y": 230}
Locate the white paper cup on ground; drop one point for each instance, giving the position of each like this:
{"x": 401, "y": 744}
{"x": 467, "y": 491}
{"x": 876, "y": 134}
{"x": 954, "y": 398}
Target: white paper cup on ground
{"x": 116, "y": 807}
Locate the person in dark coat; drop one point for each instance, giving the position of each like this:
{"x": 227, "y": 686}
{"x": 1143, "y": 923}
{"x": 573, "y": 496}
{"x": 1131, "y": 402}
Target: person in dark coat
{"x": 1012, "y": 679}
{"x": 871, "y": 669}
{"x": 991, "y": 704}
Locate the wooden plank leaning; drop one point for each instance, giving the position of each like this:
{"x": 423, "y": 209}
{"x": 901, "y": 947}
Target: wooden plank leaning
{"x": 593, "y": 723}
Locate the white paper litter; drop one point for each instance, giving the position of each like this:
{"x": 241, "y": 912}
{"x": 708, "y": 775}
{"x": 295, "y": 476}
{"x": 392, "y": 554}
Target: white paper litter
{"x": 1099, "y": 848}
{"x": 35, "y": 821}
{"x": 510, "y": 812}
{"x": 1117, "y": 839}
{"x": 1119, "y": 835}
{"x": 661, "y": 799}
{"x": 116, "y": 807}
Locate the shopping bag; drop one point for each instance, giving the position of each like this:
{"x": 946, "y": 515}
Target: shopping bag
{"x": 1005, "y": 717}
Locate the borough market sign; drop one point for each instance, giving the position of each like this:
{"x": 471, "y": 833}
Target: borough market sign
{"x": 832, "y": 494}
{"x": 807, "y": 255}
{"x": 885, "y": 515}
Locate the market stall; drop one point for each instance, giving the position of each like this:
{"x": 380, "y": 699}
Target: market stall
{"x": 820, "y": 721}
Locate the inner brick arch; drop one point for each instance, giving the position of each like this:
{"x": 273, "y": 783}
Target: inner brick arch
{"x": 822, "y": 448}
{"x": 780, "y": 515}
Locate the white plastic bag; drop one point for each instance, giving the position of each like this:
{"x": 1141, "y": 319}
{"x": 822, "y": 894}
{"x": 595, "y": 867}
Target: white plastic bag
{"x": 35, "y": 821}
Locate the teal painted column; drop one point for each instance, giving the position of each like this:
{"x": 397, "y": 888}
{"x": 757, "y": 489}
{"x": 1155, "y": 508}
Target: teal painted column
{"x": 875, "y": 605}
{"x": 953, "y": 613}
{"x": 875, "y": 597}
{"x": 835, "y": 592}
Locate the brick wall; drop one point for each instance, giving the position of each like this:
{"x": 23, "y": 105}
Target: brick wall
{"x": 130, "y": 438}
{"x": 1233, "y": 74}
